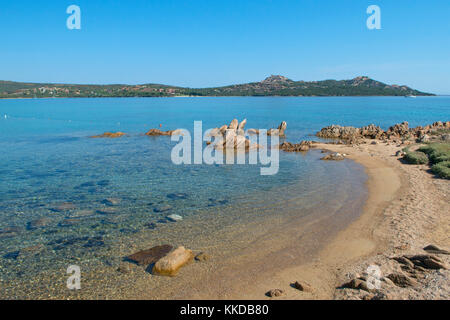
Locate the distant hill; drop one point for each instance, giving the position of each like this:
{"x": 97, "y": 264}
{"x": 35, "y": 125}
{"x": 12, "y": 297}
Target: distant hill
{"x": 274, "y": 85}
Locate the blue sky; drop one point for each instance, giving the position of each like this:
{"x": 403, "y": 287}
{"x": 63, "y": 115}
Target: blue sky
{"x": 200, "y": 43}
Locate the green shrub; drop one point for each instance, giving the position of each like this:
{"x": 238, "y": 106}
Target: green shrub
{"x": 415, "y": 157}
{"x": 437, "y": 152}
{"x": 442, "y": 169}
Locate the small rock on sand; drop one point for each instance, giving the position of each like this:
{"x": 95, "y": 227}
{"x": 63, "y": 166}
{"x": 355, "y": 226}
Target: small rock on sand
{"x": 151, "y": 255}
{"x": 275, "y": 293}
{"x": 171, "y": 263}
{"x": 302, "y": 286}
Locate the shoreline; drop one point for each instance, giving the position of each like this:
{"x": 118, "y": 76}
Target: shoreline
{"x": 183, "y": 96}
{"x": 397, "y": 219}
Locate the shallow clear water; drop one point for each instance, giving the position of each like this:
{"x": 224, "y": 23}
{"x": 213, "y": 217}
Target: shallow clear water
{"x": 47, "y": 159}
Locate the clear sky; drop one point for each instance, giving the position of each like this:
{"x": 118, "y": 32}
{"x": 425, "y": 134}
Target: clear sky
{"x": 200, "y": 43}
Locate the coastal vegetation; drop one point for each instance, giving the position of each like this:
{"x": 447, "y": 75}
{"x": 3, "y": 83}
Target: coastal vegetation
{"x": 439, "y": 157}
{"x": 271, "y": 86}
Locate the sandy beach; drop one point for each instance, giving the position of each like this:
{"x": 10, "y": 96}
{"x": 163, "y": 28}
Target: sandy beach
{"x": 407, "y": 209}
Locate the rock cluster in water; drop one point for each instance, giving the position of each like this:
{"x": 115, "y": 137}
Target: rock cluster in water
{"x": 157, "y": 132}
{"x": 232, "y": 137}
{"x": 296, "y": 147}
{"x": 109, "y": 135}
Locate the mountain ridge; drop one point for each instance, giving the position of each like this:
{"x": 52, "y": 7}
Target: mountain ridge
{"x": 274, "y": 85}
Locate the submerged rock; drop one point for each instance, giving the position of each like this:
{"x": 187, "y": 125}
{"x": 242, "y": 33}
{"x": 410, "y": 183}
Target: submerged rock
{"x": 174, "y": 217}
{"x": 171, "y": 263}
{"x": 64, "y": 206}
{"x": 177, "y": 196}
{"x": 31, "y": 250}
{"x": 107, "y": 210}
{"x": 109, "y": 135}
{"x": 149, "y": 256}
{"x": 38, "y": 223}
{"x": 9, "y": 232}
{"x": 162, "y": 209}
{"x": 111, "y": 201}
{"x": 82, "y": 213}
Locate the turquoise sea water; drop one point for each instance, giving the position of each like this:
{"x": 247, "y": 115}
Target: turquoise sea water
{"x": 47, "y": 160}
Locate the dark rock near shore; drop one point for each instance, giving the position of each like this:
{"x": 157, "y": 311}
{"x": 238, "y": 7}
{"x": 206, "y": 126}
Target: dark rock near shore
{"x": 149, "y": 256}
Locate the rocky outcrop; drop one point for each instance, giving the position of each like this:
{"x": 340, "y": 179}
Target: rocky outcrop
{"x": 279, "y": 131}
{"x": 400, "y": 131}
{"x": 231, "y": 137}
{"x": 109, "y": 135}
{"x": 172, "y": 262}
{"x": 296, "y": 147}
{"x": 351, "y": 133}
